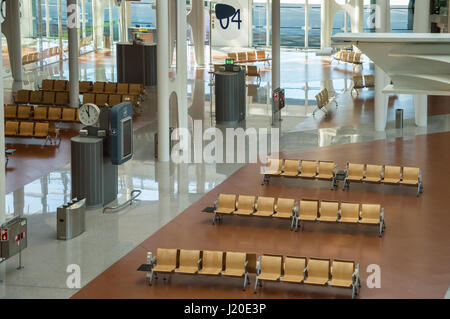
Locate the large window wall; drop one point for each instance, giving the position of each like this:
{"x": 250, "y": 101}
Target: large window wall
{"x": 295, "y": 32}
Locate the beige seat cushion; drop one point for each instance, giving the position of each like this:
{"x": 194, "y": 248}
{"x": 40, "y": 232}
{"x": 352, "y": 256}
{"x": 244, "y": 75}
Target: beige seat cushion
{"x": 233, "y": 273}
{"x": 243, "y": 212}
{"x": 316, "y": 281}
{"x": 162, "y": 268}
{"x": 340, "y": 283}
{"x": 271, "y": 277}
{"x": 210, "y": 271}
{"x": 292, "y": 278}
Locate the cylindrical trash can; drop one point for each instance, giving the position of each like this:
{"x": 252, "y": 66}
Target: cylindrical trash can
{"x": 399, "y": 118}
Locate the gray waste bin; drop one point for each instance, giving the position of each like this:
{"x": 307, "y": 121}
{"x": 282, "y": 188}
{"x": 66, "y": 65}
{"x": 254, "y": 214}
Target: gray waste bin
{"x": 399, "y": 118}
{"x": 71, "y": 220}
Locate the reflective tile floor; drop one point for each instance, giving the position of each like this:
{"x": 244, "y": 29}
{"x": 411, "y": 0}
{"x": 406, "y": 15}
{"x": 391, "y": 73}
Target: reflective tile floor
{"x": 168, "y": 189}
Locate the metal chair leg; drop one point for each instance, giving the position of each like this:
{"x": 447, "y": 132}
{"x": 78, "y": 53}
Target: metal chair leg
{"x": 256, "y": 285}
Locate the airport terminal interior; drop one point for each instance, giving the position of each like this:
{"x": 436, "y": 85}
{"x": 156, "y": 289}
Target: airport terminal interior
{"x": 333, "y": 182}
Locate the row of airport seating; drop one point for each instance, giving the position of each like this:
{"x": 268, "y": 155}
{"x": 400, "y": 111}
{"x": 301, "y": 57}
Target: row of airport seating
{"x": 362, "y": 82}
{"x": 42, "y": 97}
{"x": 288, "y": 269}
{"x": 394, "y": 175}
{"x": 348, "y": 57}
{"x": 104, "y": 99}
{"x": 323, "y": 99}
{"x": 301, "y": 211}
{"x": 94, "y": 87}
{"x": 28, "y": 129}
{"x": 226, "y": 204}
{"x": 35, "y": 56}
{"x": 41, "y": 113}
{"x": 322, "y": 170}
{"x": 249, "y": 57}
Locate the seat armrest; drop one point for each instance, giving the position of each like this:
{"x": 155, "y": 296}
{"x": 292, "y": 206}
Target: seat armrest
{"x": 420, "y": 176}
{"x": 382, "y": 214}
{"x": 199, "y": 263}
{"x": 258, "y": 266}
{"x": 215, "y": 203}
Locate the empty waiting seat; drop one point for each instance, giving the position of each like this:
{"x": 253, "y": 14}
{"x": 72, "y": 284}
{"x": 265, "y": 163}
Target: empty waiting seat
{"x": 251, "y": 56}
{"x": 26, "y": 129}
{"x": 89, "y": 98}
{"x": 233, "y": 55}
{"x": 308, "y": 210}
{"x": 40, "y": 113}
{"x": 10, "y": 111}
{"x": 274, "y": 167}
{"x": 318, "y": 272}
{"x": 354, "y": 173}
{"x": 114, "y": 99}
{"x": 122, "y": 88}
{"x": 285, "y": 208}
{"x": 370, "y": 214}
{"x": 212, "y": 263}
{"x": 308, "y": 169}
{"x": 269, "y": 268}
{"x": 98, "y": 87}
{"x": 329, "y": 211}
{"x": 166, "y": 261}
{"x": 245, "y": 205}
{"x": 226, "y": 204}
{"x": 48, "y": 97}
{"x": 62, "y": 98}
{"x": 69, "y": 114}
{"x": 110, "y": 87}
{"x": 236, "y": 266}
{"x": 11, "y": 128}
{"x": 369, "y": 81}
{"x": 101, "y": 99}
{"x": 23, "y": 112}
{"x": 342, "y": 273}
{"x": 135, "y": 89}
{"x": 35, "y": 97}
{"x": 349, "y": 213}
{"x": 373, "y": 173}
{"x": 85, "y": 86}
{"x": 261, "y": 55}
{"x": 392, "y": 174}
{"x": 410, "y": 176}
{"x": 326, "y": 170}
{"x": 189, "y": 262}
{"x": 242, "y": 57}
{"x": 291, "y": 168}
{"x": 47, "y": 85}
{"x": 294, "y": 269}
{"x": 265, "y": 206}
{"x": 130, "y": 98}
{"x": 54, "y": 113}
{"x": 60, "y": 86}
{"x": 23, "y": 96}
{"x": 41, "y": 129}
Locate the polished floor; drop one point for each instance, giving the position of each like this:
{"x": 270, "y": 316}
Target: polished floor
{"x": 39, "y": 181}
{"x": 413, "y": 253}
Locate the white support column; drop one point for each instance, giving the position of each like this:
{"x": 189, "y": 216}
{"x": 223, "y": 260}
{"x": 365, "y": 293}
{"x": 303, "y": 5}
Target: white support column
{"x": 325, "y": 24}
{"x": 421, "y": 25}
{"x": 123, "y": 22}
{"x": 268, "y": 28}
{"x": 11, "y": 29}
{"x": 47, "y": 19}
{"x": 83, "y": 18}
{"x": 306, "y": 28}
{"x": 162, "y": 30}
{"x": 276, "y": 43}
{"x": 60, "y": 32}
{"x": 381, "y": 79}
{"x": 72, "y": 30}
{"x": 181, "y": 78}
{"x": 111, "y": 24}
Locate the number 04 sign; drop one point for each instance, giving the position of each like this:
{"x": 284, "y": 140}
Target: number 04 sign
{"x": 231, "y": 27}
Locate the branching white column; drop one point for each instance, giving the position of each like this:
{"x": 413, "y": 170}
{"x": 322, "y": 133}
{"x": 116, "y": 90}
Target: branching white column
{"x": 196, "y": 18}
{"x": 60, "y": 33}
{"x": 421, "y": 25}
{"x": 276, "y": 43}
{"x": 11, "y": 29}
{"x": 72, "y": 30}
{"x": 382, "y": 24}
{"x": 123, "y": 22}
{"x": 325, "y": 24}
